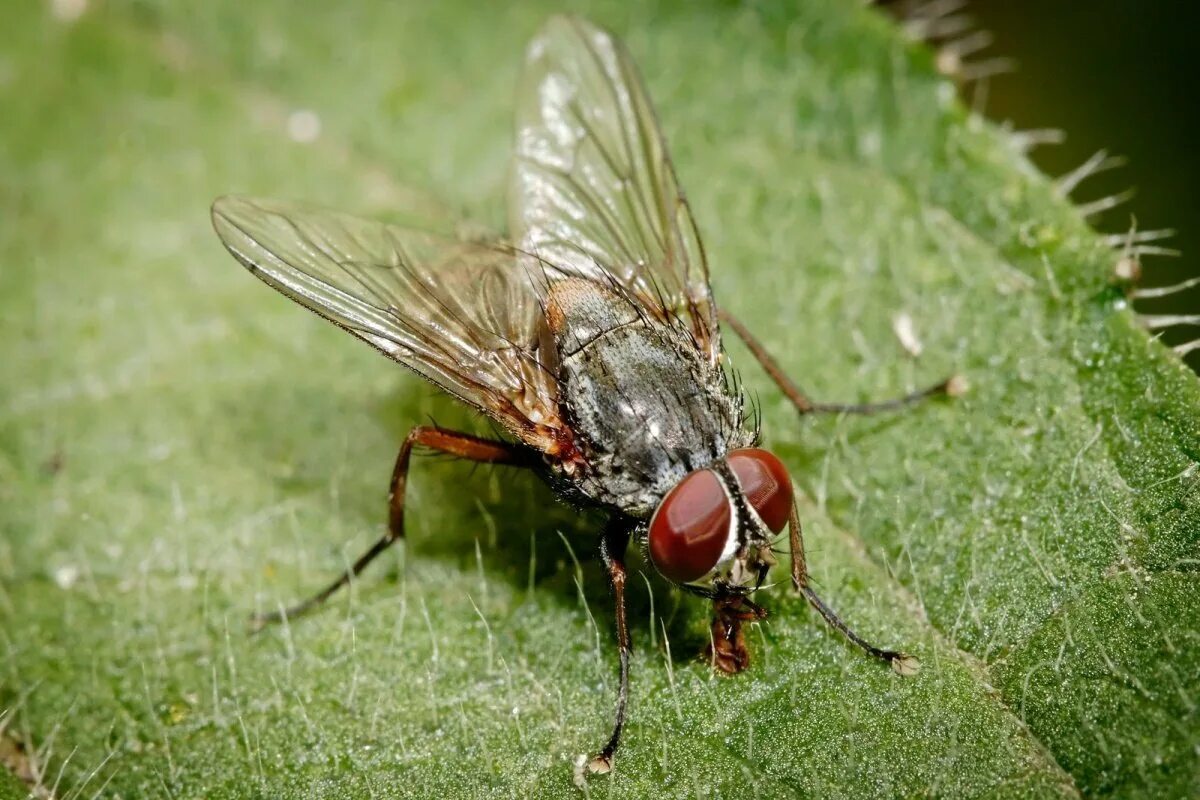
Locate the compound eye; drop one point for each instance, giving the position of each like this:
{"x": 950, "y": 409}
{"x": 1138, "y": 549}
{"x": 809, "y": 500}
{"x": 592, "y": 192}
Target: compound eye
{"x": 765, "y": 483}
{"x": 689, "y": 529}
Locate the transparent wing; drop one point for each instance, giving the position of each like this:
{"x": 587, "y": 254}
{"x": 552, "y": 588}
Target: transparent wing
{"x": 593, "y": 189}
{"x": 463, "y": 315}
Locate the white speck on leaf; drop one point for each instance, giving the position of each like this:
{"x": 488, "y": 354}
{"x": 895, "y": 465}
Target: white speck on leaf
{"x": 303, "y": 126}
{"x": 946, "y": 94}
{"x": 906, "y": 332}
{"x": 870, "y": 143}
{"x": 66, "y": 576}
{"x": 68, "y": 10}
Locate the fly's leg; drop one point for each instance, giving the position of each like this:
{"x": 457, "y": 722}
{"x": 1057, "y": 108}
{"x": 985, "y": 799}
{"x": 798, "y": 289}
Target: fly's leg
{"x": 460, "y": 445}
{"x": 902, "y": 663}
{"x": 612, "y": 551}
{"x": 727, "y": 649}
{"x": 952, "y": 386}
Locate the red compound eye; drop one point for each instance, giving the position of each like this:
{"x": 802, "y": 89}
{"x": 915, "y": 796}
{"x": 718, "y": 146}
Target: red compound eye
{"x": 765, "y": 482}
{"x": 689, "y": 530}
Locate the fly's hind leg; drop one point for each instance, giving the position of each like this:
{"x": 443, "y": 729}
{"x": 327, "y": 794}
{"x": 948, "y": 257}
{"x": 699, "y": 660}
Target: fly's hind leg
{"x": 459, "y": 445}
{"x": 902, "y": 663}
{"x": 952, "y": 386}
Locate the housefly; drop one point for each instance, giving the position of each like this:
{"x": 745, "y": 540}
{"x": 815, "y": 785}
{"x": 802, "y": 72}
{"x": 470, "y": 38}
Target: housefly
{"x": 590, "y": 335}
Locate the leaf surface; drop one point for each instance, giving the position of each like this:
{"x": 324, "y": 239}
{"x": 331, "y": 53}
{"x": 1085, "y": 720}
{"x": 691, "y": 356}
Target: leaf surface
{"x": 180, "y": 447}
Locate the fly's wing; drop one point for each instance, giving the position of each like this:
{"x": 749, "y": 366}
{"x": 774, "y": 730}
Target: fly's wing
{"x": 593, "y": 190}
{"x": 462, "y": 315}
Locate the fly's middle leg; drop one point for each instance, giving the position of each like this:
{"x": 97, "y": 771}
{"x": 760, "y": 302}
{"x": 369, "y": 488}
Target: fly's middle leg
{"x": 952, "y": 386}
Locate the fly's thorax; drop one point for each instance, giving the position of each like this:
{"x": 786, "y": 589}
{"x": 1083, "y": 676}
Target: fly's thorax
{"x": 578, "y": 311}
{"x": 646, "y": 407}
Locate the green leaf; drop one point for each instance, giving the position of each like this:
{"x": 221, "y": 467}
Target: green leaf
{"x": 10, "y": 787}
{"x": 180, "y": 447}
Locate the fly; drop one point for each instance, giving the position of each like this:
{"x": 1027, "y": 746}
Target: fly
{"x": 590, "y": 336}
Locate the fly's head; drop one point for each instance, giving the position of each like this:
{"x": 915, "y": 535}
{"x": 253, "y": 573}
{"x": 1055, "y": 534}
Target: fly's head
{"x": 715, "y": 528}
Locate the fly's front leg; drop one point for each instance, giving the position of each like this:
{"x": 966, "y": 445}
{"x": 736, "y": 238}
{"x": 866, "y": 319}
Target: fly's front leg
{"x": 952, "y": 386}
{"x": 902, "y": 663}
{"x": 460, "y": 445}
{"x": 727, "y": 649}
{"x": 612, "y": 551}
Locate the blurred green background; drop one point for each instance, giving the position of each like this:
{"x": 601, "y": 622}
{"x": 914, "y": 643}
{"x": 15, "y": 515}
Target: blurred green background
{"x": 1116, "y": 75}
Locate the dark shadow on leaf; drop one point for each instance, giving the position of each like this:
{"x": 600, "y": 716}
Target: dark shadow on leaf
{"x": 507, "y": 520}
